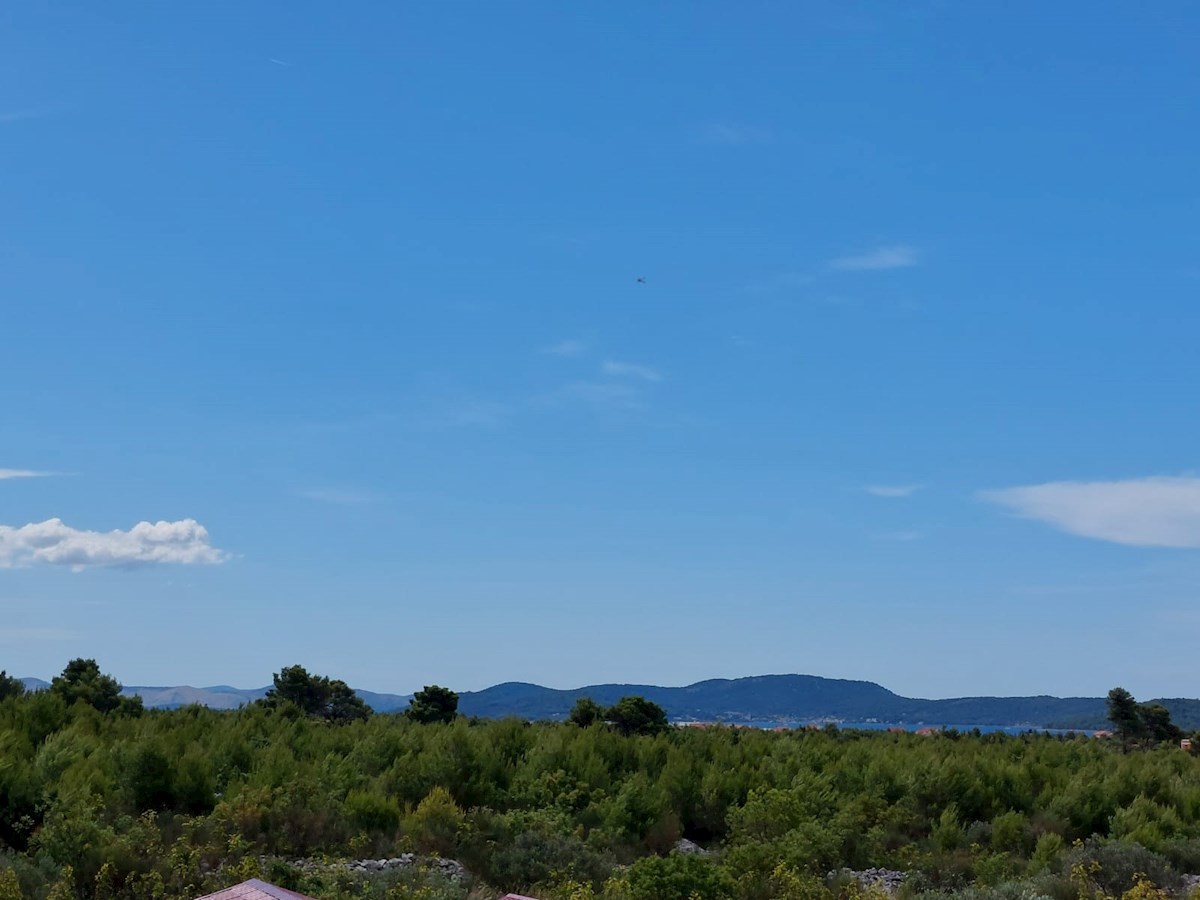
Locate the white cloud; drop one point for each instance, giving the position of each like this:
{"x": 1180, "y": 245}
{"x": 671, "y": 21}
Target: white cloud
{"x": 54, "y": 543}
{"x": 1139, "y": 512}
{"x": 892, "y": 490}
{"x": 898, "y": 256}
{"x": 567, "y": 348}
{"x": 22, "y": 473}
{"x": 630, "y": 370}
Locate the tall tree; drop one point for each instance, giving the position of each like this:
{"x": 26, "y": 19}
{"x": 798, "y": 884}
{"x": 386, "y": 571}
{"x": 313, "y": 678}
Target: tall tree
{"x": 83, "y": 682}
{"x": 1124, "y": 715}
{"x": 1140, "y": 722}
{"x": 294, "y": 685}
{"x": 433, "y": 704}
{"x": 637, "y": 715}
{"x": 1157, "y": 724}
{"x": 585, "y": 712}
{"x": 316, "y": 696}
{"x": 9, "y": 686}
{"x": 342, "y": 705}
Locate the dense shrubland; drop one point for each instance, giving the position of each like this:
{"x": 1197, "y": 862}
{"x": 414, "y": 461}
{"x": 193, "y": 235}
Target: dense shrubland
{"x": 131, "y": 803}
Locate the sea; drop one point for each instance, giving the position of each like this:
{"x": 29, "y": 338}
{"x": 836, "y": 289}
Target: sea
{"x": 886, "y": 726}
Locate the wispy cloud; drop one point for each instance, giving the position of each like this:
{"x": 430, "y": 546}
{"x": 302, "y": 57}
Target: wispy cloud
{"x": 54, "y": 543}
{"x": 630, "y": 370}
{"x": 892, "y": 490}
{"x": 339, "y": 496}
{"x": 897, "y": 256}
{"x": 732, "y": 134}
{"x": 1139, "y": 512}
{"x": 566, "y": 348}
{"x": 23, "y": 473}
{"x": 442, "y": 408}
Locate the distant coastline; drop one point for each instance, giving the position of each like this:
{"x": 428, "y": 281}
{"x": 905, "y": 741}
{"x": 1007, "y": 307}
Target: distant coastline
{"x": 907, "y": 727}
{"x": 762, "y": 701}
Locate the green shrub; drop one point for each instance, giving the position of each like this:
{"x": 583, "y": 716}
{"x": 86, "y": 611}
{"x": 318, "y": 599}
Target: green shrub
{"x": 1116, "y": 865}
{"x": 371, "y": 812}
{"x": 1047, "y": 852}
{"x": 436, "y": 822}
{"x": 540, "y": 856}
{"x": 1011, "y": 833}
{"x": 677, "y": 877}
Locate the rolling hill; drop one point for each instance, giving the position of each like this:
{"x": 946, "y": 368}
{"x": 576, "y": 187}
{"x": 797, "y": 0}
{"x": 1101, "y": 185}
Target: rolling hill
{"x": 222, "y": 696}
{"x": 762, "y": 699}
{"x": 785, "y": 698}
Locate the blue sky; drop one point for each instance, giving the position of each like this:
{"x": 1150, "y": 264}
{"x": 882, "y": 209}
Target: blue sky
{"x": 349, "y": 302}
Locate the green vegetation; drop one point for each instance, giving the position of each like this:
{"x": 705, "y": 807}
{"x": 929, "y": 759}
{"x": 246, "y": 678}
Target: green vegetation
{"x": 629, "y": 715}
{"x": 637, "y": 715}
{"x": 433, "y": 704}
{"x": 316, "y": 696}
{"x": 10, "y": 687}
{"x": 1140, "y": 723}
{"x": 115, "y": 803}
{"x": 586, "y": 712}
{"x": 83, "y": 682}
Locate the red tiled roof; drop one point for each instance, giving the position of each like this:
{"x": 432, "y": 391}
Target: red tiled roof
{"x": 254, "y": 890}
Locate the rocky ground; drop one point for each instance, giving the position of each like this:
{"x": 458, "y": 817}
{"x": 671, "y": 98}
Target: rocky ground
{"x": 451, "y": 869}
{"x": 888, "y": 880}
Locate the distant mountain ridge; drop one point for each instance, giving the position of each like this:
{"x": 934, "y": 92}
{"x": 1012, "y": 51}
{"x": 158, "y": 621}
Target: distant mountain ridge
{"x": 786, "y": 698}
{"x": 222, "y": 696}
{"x": 717, "y": 699}
{"x": 760, "y": 698}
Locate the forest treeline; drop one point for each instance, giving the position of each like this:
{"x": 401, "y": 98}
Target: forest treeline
{"x": 102, "y": 799}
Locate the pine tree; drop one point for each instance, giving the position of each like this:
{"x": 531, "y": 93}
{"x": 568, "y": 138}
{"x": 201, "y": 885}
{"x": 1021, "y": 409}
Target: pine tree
{"x": 1125, "y": 716}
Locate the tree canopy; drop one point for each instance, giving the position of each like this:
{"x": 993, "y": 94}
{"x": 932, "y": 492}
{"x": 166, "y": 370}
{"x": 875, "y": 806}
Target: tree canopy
{"x": 585, "y": 712}
{"x": 317, "y": 696}
{"x": 637, "y": 715}
{"x": 9, "y": 686}
{"x": 1136, "y": 723}
{"x": 83, "y": 682}
{"x": 432, "y": 704}
{"x": 179, "y": 803}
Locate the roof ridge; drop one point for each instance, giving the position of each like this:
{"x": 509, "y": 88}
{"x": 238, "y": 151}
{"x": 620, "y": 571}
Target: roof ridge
{"x": 255, "y": 889}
